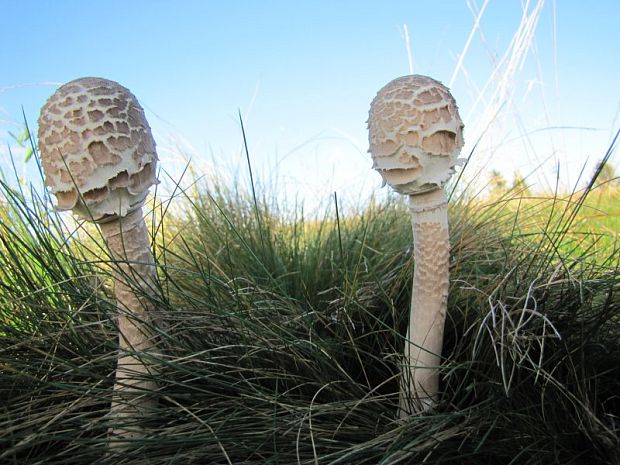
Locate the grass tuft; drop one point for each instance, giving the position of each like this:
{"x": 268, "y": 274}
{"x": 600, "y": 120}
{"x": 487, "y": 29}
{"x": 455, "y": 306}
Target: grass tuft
{"x": 281, "y": 334}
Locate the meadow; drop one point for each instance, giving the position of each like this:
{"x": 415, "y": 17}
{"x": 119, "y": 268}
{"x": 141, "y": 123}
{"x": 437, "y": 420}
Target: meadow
{"x": 280, "y": 332}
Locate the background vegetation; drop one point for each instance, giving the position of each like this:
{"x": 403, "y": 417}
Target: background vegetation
{"x": 280, "y": 333}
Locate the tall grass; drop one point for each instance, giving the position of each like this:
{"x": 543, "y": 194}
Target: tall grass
{"x": 280, "y": 335}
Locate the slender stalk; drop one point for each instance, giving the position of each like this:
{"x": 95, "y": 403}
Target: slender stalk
{"x": 420, "y": 382}
{"x": 128, "y": 241}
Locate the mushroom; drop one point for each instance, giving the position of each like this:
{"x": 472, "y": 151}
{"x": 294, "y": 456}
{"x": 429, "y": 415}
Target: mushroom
{"x": 415, "y": 136}
{"x": 99, "y": 159}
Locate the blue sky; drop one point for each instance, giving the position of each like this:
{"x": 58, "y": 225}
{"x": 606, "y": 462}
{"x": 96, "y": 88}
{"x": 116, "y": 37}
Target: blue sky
{"x": 303, "y": 74}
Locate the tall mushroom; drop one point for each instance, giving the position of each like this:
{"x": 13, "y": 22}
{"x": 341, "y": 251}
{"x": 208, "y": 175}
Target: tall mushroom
{"x": 415, "y": 135}
{"x": 99, "y": 159}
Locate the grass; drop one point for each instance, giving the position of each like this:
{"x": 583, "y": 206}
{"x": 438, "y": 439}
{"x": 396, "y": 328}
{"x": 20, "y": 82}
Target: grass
{"x": 280, "y": 334}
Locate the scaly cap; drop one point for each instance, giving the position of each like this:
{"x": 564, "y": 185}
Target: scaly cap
{"x": 97, "y": 150}
{"x": 415, "y": 134}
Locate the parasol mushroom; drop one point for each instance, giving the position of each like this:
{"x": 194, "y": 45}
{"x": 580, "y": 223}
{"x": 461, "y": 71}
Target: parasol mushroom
{"x": 99, "y": 159}
{"x": 415, "y": 135}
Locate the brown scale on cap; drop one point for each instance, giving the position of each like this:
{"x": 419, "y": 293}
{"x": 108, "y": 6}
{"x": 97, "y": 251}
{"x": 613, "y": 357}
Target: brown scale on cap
{"x": 97, "y": 150}
{"x": 415, "y": 134}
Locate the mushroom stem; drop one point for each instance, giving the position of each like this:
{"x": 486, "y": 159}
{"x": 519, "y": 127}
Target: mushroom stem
{"x": 420, "y": 382}
{"x": 135, "y": 277}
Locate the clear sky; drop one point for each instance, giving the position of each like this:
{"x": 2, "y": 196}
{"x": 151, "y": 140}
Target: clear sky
{"x": 303, "y": 73}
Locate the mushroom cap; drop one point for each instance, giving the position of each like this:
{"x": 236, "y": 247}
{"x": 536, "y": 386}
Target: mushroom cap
{"x": 415, "y": 134}
{"x": 97, "y": 150}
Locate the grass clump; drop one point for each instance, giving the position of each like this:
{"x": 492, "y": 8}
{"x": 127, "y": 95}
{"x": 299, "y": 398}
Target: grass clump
{"x": 281, "y": 336}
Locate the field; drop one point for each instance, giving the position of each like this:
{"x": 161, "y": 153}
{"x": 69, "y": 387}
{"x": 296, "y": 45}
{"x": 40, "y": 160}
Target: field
{"x": 280, "y": 333}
